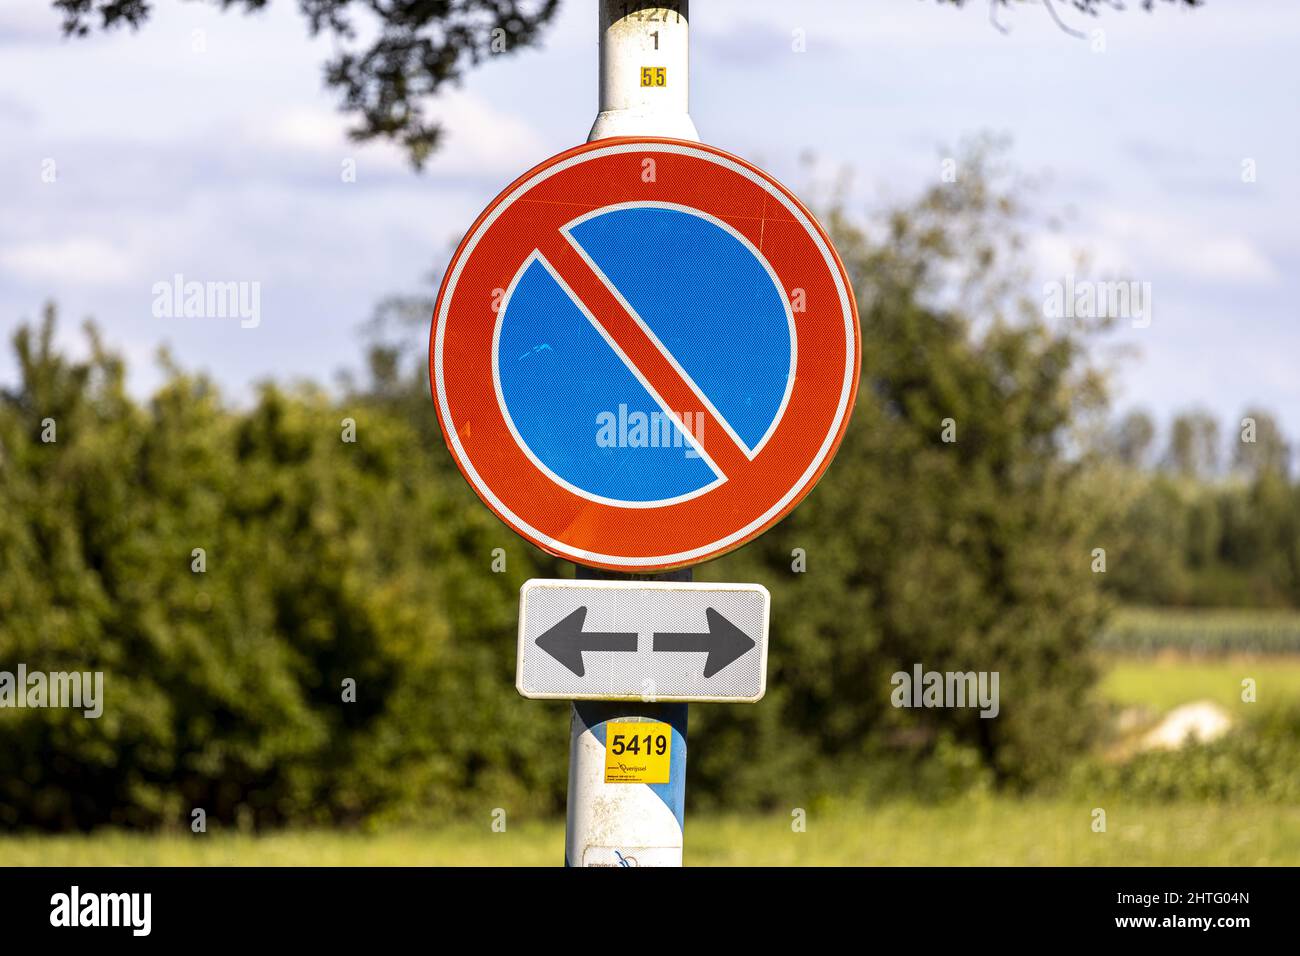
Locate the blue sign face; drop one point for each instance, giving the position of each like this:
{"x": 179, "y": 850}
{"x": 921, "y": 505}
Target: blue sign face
{"x": 585, "y": 414}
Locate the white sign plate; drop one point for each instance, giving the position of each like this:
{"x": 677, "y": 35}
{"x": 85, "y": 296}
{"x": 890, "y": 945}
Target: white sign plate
{"x": 642, "y": 640}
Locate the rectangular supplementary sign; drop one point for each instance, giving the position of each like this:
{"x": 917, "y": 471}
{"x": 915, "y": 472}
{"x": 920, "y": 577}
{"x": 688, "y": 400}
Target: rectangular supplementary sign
{"x": 642, "y": 640}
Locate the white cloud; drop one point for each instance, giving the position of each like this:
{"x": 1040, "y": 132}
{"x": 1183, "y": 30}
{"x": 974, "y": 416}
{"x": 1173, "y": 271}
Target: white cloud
{"x": 1232, "y": 258}
{"x": 1125, "y": 242}
{"x": 1196, "y": 248}
{"x": 478, "y": 138}
{"x": 481, "y": 138}
{"x": 316, "y": 131}
{"x": 60, "y": 261}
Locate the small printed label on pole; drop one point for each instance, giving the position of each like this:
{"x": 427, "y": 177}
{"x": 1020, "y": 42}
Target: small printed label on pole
{"x": 638, "y": 752}
{"x": 632, "y": 856}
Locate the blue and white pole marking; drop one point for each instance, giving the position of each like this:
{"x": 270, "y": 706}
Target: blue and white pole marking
{"x": 623, "y": 824}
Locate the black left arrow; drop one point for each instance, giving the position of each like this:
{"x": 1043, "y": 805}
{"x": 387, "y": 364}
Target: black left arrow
{"x": 566, "y": 640}
{"x": 724, "y": 643}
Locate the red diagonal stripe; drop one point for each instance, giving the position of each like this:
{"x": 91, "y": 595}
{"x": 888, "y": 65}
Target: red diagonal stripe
{"x": 642, "y": 352}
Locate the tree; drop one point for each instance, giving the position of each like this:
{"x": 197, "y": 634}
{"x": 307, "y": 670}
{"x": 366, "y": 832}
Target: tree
{"x": 962, "y": 555}
{"x": 1090, "y": 8}
{"x": 1130, "y": 441}
{"x": 1260, "y": 447}
{"x": 324, "y": 560}
{"x": 420, "y": 48}
{"x": 1193, "y": 450}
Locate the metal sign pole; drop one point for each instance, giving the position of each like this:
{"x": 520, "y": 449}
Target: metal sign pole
{"x": 644, "y": 91}
{"x": 631, "y": 403}
{"x": 625, "y": 824}
{"x": 644, "y": 70}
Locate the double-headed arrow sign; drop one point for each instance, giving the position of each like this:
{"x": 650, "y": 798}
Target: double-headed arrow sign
{"x": 724, "y": 642}
{"x": 608, "y": 659}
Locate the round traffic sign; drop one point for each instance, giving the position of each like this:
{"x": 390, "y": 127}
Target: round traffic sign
{"x": 644, "y": 354}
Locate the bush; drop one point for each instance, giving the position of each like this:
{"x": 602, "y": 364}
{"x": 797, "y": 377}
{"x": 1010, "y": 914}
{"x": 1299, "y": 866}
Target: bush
{"x": 325, "y": 561}
{"x": 1256, "y": 761}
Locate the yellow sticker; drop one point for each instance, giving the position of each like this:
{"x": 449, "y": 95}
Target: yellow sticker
{"x": 637, "y": 752}
{"x": 654, "y": 76}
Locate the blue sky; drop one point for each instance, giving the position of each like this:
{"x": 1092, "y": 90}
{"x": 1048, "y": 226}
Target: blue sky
{"x": 225, "y": 164}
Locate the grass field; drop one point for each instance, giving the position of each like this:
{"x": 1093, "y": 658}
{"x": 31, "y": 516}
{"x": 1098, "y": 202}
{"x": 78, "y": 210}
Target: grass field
{"x": 977, "y": 832}
{"x": 1163, "y": 682}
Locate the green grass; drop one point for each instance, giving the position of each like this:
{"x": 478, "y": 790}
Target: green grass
{"x": 980, "y": 831}
{"x": 1163, "y": 683}
{"x": 1008, "y": 832}
{"x": 989, "y": 831}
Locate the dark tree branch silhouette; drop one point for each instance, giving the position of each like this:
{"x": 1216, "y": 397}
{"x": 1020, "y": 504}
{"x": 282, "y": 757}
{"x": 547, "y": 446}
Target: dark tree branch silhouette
{"x": 421, "y": 46}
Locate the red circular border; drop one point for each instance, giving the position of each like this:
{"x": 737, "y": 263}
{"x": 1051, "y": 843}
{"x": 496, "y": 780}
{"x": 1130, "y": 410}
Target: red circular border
{"x": 628, "y": 533}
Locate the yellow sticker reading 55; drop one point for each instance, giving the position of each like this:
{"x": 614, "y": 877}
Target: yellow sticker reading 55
{"x": 637, "y": 752}
{"x": 654, "y": 76}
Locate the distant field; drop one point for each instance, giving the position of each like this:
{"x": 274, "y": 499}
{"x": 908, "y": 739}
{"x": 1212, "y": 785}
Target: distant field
{"x": 1161, "y": 658}
{"x": 994, "y": 832}
{"x": 1164, "y": 682}
{"x": 1202, "y": 631}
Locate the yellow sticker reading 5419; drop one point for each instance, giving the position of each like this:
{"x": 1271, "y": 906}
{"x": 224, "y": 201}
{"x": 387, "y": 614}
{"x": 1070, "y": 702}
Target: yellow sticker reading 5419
{"x": 637, "y": 752}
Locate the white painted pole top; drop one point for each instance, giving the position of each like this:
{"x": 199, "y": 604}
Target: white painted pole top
{"x": 644, "y": 70}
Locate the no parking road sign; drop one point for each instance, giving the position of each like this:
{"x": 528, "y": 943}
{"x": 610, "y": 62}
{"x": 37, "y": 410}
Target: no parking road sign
{"x": 645, "y": 353}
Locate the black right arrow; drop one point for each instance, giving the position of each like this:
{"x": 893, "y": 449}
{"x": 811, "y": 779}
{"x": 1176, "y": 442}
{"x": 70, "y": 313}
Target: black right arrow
{"x": 566, "y": 640}
{"x": 724, "y": 643}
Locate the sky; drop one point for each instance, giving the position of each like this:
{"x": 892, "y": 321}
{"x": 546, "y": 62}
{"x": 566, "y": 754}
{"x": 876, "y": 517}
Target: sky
{"x": 207, "y": 145}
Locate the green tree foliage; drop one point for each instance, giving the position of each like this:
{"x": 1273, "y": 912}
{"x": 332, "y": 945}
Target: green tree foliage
{"x": 1261, "y": 448}
{"x": 1132, "y": 439}
{"x": 960, "y": 555}
{"x": 415, "y": 49}
{"x": 1188, "y": 534}
{"x": 325, "y": 561}
{"x": 1193, "y": 445}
